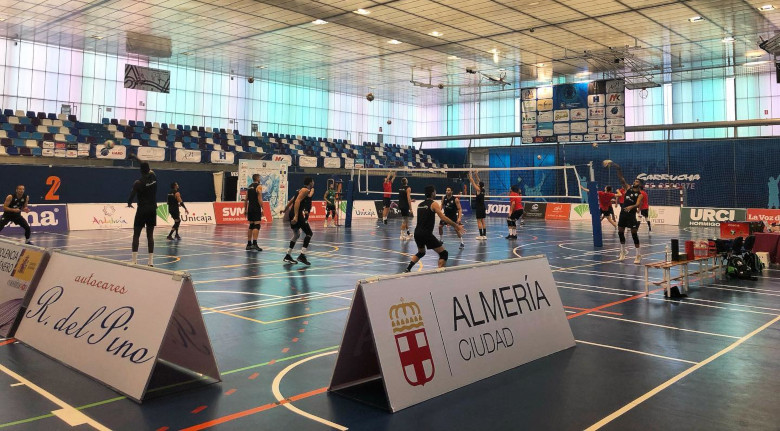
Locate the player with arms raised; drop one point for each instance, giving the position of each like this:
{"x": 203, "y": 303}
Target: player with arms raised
{"x": 631, "y": 202}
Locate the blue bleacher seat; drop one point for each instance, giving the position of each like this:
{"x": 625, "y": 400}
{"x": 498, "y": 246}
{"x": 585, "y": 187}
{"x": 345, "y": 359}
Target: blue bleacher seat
{"x": 8, "y": 112}
{"x": 30, "y": 114}
{"x": 52, "y": 116}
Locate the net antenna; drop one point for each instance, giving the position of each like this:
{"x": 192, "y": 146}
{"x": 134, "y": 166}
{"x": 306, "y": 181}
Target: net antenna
{"x": 497, "y": 181}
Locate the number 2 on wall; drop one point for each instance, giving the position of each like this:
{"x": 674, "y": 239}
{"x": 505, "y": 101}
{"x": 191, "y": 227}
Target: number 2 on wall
{"x": 54, "y": 182}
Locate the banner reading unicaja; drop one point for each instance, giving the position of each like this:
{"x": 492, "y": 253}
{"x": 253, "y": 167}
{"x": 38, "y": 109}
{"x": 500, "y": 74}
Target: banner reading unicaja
{"x": 43, "y": 218}
{"x": 200, "y": 213}
{"x": 710, "y": 217}
{"x": 435, "y": 332}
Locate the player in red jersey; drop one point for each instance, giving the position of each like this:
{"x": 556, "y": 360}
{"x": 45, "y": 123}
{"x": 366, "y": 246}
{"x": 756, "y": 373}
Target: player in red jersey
{"x": 515, "y": 212}
{"x": 388, "y": 189}
{"x": 644, "y": 210}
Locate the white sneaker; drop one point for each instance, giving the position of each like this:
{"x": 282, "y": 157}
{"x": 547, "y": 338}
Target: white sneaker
{"x": 638, "y": 259}
{"x": 622, "y": 255}
{"x": 325, "y": 225}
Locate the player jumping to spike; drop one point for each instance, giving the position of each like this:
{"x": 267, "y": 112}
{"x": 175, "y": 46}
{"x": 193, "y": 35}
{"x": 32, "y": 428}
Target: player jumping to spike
{"x": 631, "y": 202}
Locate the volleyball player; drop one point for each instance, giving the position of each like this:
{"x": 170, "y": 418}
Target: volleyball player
{"x": 14, "y": 205}
{"x": 479, "y": 203}
{"x": 423, "y": 232}
{"x": 404, "y": 205}
{"x": 174, "y": 202}
{"x": 515, "y": 212}
{"x": 644, "y": 210}
{"x": 631, "y": 201}
{"x": 452, "y": 209}
{"x": 330, "y": 204}
{"x": 146, "y": 214}
{"x": 605, "y": 204}
{"x": 388, "y": 187}
{"x": 253, "y": 208}
{"x": 299, "y": 207}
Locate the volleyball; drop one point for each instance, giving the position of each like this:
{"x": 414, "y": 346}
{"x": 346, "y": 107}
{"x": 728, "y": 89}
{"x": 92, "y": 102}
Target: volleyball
{"x": 607, "y": 163}
{"x": 107, "y": 146}
{"x": 595, "y": 145}
{"x": 539, "y": 157}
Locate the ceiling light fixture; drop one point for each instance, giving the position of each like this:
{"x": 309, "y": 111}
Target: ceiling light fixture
{"x": 319, "y": 22}
{"x": 755, "y": 63}
{"x": 436, "y": 33}
{"x": 321, "y": 78}
{"x": 362, "y": 12}
{"x": 696, "y": 18}
{"x": 583, "y": 74}
{"x": 754, "y": 54}
{"x": 2, "y": 19}
{"x": 453, "y": 57}
{"x": 728, "y": 39}
{"x": 261, "y": 67}
{"x": 766, "y": 8}
{"x": 394, "y": 42}
{"x": 186, "y": 53}
{"x": 94, "y": 36}
{"x": 540, "y": 65}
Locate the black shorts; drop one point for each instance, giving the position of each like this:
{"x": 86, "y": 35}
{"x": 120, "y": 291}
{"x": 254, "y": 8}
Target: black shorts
{"x": 386, "y": 202}
{"x": 480, "y": 212}
{"x": 145, "y": 217}
{"x": 516, "y": 214}
{"x": 302, "y": 225}
{"x": 176, "y": 216}
{"x": 404, "y": 212}
{"x": 606, "y": 213}
{"x": 426, "y": 240}
{"x": 15, "y": 218}
{"x": 645, "y": 213}
{"x": 627, "y": 219}
{"x": 254, "y": 214}
{"x": 330, "y": 207}
{"x": 453, "y": 217}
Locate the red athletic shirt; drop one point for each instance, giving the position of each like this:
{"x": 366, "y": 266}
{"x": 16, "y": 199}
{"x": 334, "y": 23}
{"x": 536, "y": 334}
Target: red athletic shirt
{"x": 516, "y": 201}
{"x": 388, "y": 189}
{"x": 605, "y": 200}
{"x": 622, "y": 195}
{"x": 645, "y": 201}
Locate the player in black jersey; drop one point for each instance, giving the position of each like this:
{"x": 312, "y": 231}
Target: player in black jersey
{"x": 423, "y": 233}
{"x": 174, "y": 202}
{"x": 14, "y": 205}
{"x": 405, "y": 205}
{"x": 299, "y": 207}
{"x": 632, "y": 201}
{"x": 479, "y": 203}
{"x": 146, "y": 214}
{"x": 253, "y": 208}
{"x": 452, "y": 209}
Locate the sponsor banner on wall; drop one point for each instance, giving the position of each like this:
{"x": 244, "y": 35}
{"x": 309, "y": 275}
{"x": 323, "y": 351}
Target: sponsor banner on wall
{"x": 119, "y": 152}
{"x": 664, "y": 215}
{"x": 307, "y": 162}
{"x": 365, "y": 210}
{"x": 42, "y": 218}
{"x": 223, "y": 157}
{"x": 497, "y": 209}
{"x": 395, "y": 213}
{"x": 331, "y": 162}
{"x": 764, "y": 215}
{"x": 200, "y": 213}
{"x": 534, "y": 209}
{"x": 285, "y": 158}
{"x": 233, "y": 213}
{"x": 557, "y": 211}
{"x": 579, "y": 212}
{"x": 318, "y": 209}
{"x": 349, "y": 163}
{"x": 20, "y": 268}
{"x": 435, "y": 332}
{"x": 147, "y": 79}
{"x": 100, "y": 216}
{"x": 188, "y": 156}
{"x": 150, "y": 154}
{"x": 113, "y": 321}
{"x": 709, "y": 217}
{"x": 273, "y": 179}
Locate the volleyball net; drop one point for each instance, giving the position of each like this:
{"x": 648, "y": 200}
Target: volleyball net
{"x": 540, "y": 182}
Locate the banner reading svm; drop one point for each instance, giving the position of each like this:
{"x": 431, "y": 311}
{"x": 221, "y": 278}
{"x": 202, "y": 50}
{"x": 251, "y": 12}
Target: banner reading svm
{"x": 408, "y": 342}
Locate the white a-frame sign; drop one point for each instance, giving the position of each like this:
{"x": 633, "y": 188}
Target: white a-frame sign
{"x": 118, "y": 323}
{"x": 413, "y": 337}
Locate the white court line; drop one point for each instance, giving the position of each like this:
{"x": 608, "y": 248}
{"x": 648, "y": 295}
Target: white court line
{"x": 279, "y": 397}
{"x": 635, "y": 351}
{"x": 67, "y": 413}
{"x": 238, "y": 292}
{"x": 661, "y": 326}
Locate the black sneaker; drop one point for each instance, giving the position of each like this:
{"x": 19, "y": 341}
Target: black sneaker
{"x": 508, "y": 237}
{"x": 248, "y": 247}
{"x": 177, "y": 236}
{"x": 385, "y": 220}
{"x": 462, "y": 245}
{"x": 28, "y": 242}
{"x": 289, "y": 259}
{"x": 169, "y": 238}
{"x": 256, "y": 247}
{"x": 407, "y": 270}
{"x": 302, "y": 259}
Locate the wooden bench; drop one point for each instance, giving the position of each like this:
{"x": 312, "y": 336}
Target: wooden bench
{"x": 707, "y": 266}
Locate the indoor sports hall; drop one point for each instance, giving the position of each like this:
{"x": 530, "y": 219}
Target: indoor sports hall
{"x": 389, "y": 215}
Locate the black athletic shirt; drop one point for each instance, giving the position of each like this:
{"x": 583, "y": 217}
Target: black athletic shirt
{"x": 479, "y": 202}
{"x": 449, "y": 207}
{"x": 425, "y": 218}
{"x": 631, "y": 198}
{"x": 146, "y": 190}
{"x": 251, "y": 197}
{"x": 303, "y": 209}
{"x": 18, "y": 203}
{"x": 403, "y": 199}
{"x": 173, "y": 203}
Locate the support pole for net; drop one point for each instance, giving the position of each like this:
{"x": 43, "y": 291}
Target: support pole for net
{"x": 593, "y": 205}
{"x": 350, "y": 200}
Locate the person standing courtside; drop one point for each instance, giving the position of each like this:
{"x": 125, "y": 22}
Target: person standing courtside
{"x": 388, "y": 188}
{"x": 146, "y": 214}
{"x": 404, "y": 205}
{"x": 479, "y": 203}
{"x": 330, "y": 204}
{"x": 253, "y": 208}
{"x": 14, "y": 205}
{"x": 174, "y": 202}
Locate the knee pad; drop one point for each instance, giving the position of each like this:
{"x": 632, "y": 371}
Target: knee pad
{"x": 622, "y": 237}
{"x": 444, "y": 255}
{"x": 420, "y": 254}
{"x": 635, "y": 237}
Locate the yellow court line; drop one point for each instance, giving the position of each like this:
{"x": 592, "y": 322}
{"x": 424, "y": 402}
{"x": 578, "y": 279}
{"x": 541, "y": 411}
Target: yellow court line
{"x": 677, "y": 378}
{"x": 272, "y": 321}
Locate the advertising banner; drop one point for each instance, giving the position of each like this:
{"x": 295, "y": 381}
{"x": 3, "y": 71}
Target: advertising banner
{"x": 664, "y": 215}
{"x": 273, "y": 179}
{"x": 331, "y": 162}
{"x": 147, "y": 79}
{"x": 307, "y": 162}
{"x": 150, "y": 154}
{"x": 579, "y": 212}
{"x": 100, "y": 216}
{"x": 42, "y": 218}
{"x": 200, "y": 213}
{"x": 557, "y": 211}
{"x": 118, "y": 152}
{"x": 437, "y": 331}
{"x": 188, "y": 156}
{"x": 709, "y": 217}
{"x": 20, "y": 268}
{"x": 534, "y": 209}
{"x": 497, "y": 208}
{"x": 223, "y": 157}
{"x": 96, "y": 316}
{"x": 365, "y": 210}
{"x": 764, "y": 215}
{"x": 284, "y": 158}
{"x": 233, "y": 213}
{"x": 349, "y": 163}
